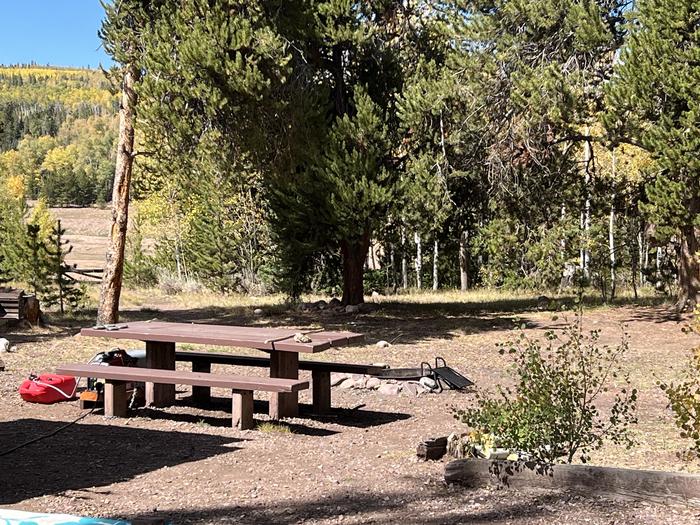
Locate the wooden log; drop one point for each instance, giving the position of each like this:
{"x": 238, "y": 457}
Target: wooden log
{"x": 242, "y": 409}
{"x": 321, "y": 391}
{"x": 610, "y": 482}
{"x": 201, "y": 394}
{"x": 432, "y": 448}
{"x": 115, "y": 399}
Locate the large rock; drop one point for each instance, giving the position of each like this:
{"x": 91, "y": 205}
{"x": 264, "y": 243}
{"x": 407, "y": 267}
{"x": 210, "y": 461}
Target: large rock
{"x": 373, "y": 382}
{"x": 428, "y": 383}
{"x": 347, "y": 384}
{"x": 389, "y": 389}
{"x": 337, "y": 378}
{"x": 334, "y": 303}
{"x": 412, "y": 388}
{"x": 352, "y": 308}
{"x": 258, "y": 311}
{"x": 383, "y": 344}
{"x": 4, "y": 345}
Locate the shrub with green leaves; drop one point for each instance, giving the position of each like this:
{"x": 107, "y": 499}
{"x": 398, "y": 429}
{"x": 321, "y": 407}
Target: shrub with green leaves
{"x": 684, "y": 401}
{"x": 553, "y": 413}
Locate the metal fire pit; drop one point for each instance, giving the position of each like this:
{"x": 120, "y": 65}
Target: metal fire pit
{"x": 443, "y": 375}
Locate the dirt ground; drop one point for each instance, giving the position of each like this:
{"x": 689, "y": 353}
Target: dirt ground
{"x": 357, "y": 465}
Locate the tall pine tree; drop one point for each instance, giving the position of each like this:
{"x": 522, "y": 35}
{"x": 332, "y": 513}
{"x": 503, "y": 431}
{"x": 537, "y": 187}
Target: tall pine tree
{"x": 655, "y": 102}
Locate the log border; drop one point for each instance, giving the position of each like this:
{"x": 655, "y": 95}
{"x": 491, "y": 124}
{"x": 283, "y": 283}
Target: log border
{"x": 611, "y": 482}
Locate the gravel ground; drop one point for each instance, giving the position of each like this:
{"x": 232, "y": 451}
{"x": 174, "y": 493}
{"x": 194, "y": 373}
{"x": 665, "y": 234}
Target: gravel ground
{"x": 356, "y": 466}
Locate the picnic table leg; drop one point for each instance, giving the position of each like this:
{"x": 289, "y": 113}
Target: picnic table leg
{"x": 115, "y": 399}
{"x": 284, "y": 365}
{"x": 242, "y": 409}
{"x": 321, "y": 391}
{"x": 160, "y": 355}
{"x": 201, "y": 394}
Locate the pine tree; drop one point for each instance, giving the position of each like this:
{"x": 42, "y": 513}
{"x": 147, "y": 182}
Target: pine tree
{"x": 60, "y": 288}
{"x": 654, "y": 101}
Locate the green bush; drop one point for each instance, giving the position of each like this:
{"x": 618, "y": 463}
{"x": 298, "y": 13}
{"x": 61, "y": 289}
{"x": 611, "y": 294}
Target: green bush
{"x": 553, "y": 414}
{"x": 684, "y": 401}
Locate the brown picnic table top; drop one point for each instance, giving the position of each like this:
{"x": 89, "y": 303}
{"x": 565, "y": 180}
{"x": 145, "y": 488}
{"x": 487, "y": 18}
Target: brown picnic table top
{"x": 261, "y": 338}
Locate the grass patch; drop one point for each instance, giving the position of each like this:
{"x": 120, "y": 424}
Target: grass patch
{"x": 274, "y": 428}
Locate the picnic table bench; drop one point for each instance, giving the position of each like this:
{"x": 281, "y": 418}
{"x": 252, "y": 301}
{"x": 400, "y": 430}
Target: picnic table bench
{"x": 242, "y": 387}
{"x": 282, "y": 345}
{"x": 320, "y": 373}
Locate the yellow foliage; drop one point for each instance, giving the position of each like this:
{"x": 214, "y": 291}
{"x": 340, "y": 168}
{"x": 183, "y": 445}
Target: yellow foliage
{"x": 42, "y": 216}
{"x": 14, "y": 185}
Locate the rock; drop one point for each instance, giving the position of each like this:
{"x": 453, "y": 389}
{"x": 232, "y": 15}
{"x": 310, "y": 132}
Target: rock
{"x": 373, "y": 382}
{"x": 428, "y": 383}
{"x": 389, "y": 390}
{"x": 360, "y": 383}
{"x": 334, "y": 303}
{"x": 258, "y": 311}
{"x": 412, "y": 388}
{"x": 321, "y": 305}
{"x": 368, "y": 307}
{"x": 376, "y": 294}
{"x": 352, "y": 309}
{"x": 4, "y": 345}
{"x": 347, "y": 384}
{"x": 13, "y": 349}
{"x": 382, "y": 344}
{"x": 337, "y": 378}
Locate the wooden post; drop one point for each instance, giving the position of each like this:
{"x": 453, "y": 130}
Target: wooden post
{"x": 242, "y": 409}
{"x": 321, "y": 391}
{"x": 115, "y": 399}
{"x": 201, "y": 394}
{"x": 284, "y": 365}
{"x": 160, "y": 355}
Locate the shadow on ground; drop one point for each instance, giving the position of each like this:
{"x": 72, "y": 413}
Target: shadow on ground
{"x": 435, "y": 506}
{"x": 347, "y": 417}
{"x": 397, "y": 321}
{"x": 87, "y": 455}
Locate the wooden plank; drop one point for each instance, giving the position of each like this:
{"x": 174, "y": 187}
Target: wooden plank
{"x": 277, "y": 339}
{"x": 201, "y": 394}
{"x": 177, "y": 377}
{"x": 115, "y": 398}
{"x": 160, "y": 355}
{"x": 242, "y": 409}
{"x": 321, "y": 391}
{"x": 611, "y": 482}
{"x": 223, "y": 358}
{"x": 284, "y": 365}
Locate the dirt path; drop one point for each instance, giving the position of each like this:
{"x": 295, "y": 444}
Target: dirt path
{"x": 355, "y": 467}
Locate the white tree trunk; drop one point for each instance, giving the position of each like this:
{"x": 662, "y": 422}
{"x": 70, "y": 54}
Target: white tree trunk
{"x": 404, "y": 261}
{"x": 418, "y": 261}
{"x": 435, "y": 265}
{"x": 464, "y": 260}
{"x": 586, "y": 212}
{"x": 611, "y": 246}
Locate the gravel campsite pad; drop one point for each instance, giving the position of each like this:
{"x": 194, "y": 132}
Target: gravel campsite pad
{"x": 356, "y": 466}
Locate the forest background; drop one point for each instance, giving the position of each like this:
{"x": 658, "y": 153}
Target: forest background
{"x": 343, "y": 147}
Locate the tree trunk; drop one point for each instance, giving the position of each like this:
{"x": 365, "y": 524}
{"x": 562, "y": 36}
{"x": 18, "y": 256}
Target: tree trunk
{"x": 611, "y": 247}
{"x": 688, "y": 265}
{"x": 404, "y": 261}
{"x": 586, "y": 212}
{"x": 354, "y": 254}
{"x": 108, "y": 310}
{"x": 418, "y": 261}
{"x": 464, "y": 260}
{"x": 435, "y": 265}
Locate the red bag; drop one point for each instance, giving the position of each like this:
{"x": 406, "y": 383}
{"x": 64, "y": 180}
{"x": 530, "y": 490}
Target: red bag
{"x": 48, "y": 388}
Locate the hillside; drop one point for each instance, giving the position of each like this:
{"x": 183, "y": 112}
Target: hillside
{"x": 57, "y": 134}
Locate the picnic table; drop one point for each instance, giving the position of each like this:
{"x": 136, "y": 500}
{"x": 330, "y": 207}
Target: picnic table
{"x": 283, "y": 347}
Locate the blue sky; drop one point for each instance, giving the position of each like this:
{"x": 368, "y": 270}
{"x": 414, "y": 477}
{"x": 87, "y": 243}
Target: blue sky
{"x": 55, "y": 32}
